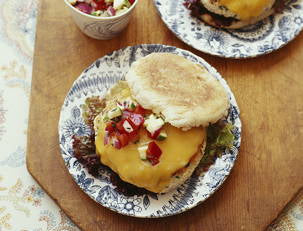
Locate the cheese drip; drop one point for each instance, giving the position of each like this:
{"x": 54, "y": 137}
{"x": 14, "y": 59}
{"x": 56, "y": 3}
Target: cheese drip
{"x": 177, "y": 150}
{"x": 247, "y": 9}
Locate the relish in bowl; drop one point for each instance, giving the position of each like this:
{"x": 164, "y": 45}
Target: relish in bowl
{"x": 102, "y": 8}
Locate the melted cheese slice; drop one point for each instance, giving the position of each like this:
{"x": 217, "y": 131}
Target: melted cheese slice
{"x": 247, "y": 9}
{"x": 177, "y": 151}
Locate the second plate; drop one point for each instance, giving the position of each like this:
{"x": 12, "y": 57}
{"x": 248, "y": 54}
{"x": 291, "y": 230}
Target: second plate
{"x": 262, "y": 38}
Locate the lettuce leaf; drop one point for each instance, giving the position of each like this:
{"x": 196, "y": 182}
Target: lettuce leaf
{"x": 92, "y": 107}
{"x": 219, "y": 137}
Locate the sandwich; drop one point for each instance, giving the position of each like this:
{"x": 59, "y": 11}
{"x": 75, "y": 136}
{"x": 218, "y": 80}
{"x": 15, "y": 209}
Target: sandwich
{"x": 152, "y": 130}
{"x": 233, "y": 14}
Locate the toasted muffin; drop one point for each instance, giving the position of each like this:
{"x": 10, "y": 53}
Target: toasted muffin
{"x": 182, "y": 94}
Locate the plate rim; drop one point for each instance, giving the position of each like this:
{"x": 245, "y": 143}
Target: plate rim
{"x": 209, "y": 52}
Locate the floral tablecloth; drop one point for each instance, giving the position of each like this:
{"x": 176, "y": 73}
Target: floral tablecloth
{"x": 23, "y": 204}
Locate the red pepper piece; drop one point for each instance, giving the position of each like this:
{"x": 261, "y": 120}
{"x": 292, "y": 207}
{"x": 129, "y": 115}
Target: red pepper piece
{"x": 123, "y": 139}
{"x": 134, "y": 136}
{"x": 153, "y": 153}
{"x": 154, "y": 150}
{"x": 139, "y": 110}
{"x": 136, "y": 120}
{"x": 100, "y": 4}
{"x": 110, "y": 127}
{"x": 131, "y": 1}
{"x": 120, "y": 127}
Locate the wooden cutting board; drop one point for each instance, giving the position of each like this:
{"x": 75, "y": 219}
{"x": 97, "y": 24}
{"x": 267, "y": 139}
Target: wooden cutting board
{"x": 269, "y": 91}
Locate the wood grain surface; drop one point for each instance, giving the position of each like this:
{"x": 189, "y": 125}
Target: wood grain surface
{"x": 269, "y": 91}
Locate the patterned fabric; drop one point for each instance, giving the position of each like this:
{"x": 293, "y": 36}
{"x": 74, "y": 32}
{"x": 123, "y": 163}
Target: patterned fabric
{"x": 291, "y": 218}
{"x": 23, "y": 205}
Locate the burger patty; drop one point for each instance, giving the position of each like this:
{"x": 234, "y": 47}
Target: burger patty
{"x": 279, "y": 6}
{"x": 197, "y": 10}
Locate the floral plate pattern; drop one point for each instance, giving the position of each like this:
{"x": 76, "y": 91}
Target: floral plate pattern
{"x": 262, "y": 38}
{"x": 96, "y": 80}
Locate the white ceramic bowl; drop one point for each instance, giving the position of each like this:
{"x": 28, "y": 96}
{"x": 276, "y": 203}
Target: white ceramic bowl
{"x": 100, "y": 27}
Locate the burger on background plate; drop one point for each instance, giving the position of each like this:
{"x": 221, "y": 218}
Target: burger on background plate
{"x": 233, "y": 14}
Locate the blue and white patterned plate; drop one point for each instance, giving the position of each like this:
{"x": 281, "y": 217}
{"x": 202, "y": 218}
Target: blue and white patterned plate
{"x": 261, "y": 38}
{"x": 96, "y": 80}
